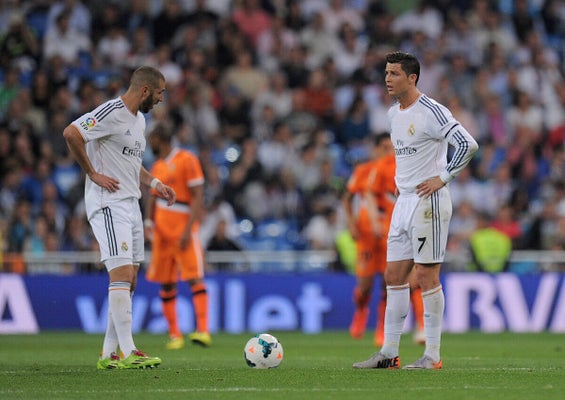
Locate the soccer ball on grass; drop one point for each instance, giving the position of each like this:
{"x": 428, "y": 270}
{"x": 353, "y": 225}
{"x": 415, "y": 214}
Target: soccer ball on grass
{"x": 263, "y": 351}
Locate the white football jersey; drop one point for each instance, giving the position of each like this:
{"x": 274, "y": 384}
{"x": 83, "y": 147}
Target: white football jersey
{"x": 115, "y": 144}
{"x": 420, "y": 135}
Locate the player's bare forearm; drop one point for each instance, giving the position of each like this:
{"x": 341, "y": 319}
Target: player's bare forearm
{"x": 166, "y": 192}
{"x": 77, "y": 148}
{"x": 162, "y": 190}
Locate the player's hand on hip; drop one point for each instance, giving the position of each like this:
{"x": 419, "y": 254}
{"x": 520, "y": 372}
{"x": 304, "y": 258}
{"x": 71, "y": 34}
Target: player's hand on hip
{"x": 429, "y": 186}
{"x": 106, "y": 182}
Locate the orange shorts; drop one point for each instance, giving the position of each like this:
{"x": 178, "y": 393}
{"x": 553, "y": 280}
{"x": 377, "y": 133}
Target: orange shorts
{"x": 371, "y": 257}
{"x": 170, "y": 264}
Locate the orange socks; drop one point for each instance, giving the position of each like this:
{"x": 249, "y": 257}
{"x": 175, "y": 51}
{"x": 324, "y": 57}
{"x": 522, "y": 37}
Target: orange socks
{"x": 360, "y": 300}
{"x": 169, "y": 300}
{"x": 200, "y": 302}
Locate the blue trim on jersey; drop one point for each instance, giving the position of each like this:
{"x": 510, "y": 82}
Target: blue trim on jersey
{"x": 460, "y": 153}
{"x": 436, "y": 226}
{"x": 435, "y": 109}
{"x": 103, "y": 113}
{"x": 110, "y": 233}
{"x": 450, "y": 129}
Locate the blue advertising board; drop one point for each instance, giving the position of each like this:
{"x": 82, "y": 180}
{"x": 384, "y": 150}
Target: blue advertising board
{"x": 309, "y": 303}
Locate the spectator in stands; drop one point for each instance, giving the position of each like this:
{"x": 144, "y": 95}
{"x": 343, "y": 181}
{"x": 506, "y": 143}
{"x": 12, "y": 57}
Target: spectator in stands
{"x": 295, "y": 67}
{"x": 336, "y": 14}
{"x": 355, "y": 126}
{"x": 141, "y": 48}
{"x": 490, "y": 27}
{"x": 263, "y": 124}
{"x": 294, "y": 19}
{"x": 80, "y": 15}
{"x": 20, "y": 226}
{"x": 247, "y": 169}
{"x": 114, "y": 46}
{"x": 41, "y": 89}
{"x": 197, "y": 111}
{"x": 244, "y": 77}
{"x": 278, "y": 96}
{"x": 164, "y": 62}
{"x": 35, "y": 242}
{"x": 423, "y": 18}
{"x": 322, "y": 230}
{"x": 137, "y": 15}
{"x": 275, "y": 41}
{"x": 350, "y": 51}
{"x": 64, "y": 40}
{"x": 220, "y": 241}
{"x": 490, "y": 247}
{"x": 252, "y": 20}
{"x": 10, "y": 181}
{"x": 307, "y": 168}
{"x": 506, "y": 221}
{"x": 277, "y": 152}
{"x": 234, "y": 116}
{"x": 168, "y": 23}
{"x": 300, "y": 121}
{"x": 8, "y": 90}
{"x": 19, "y": 46}
{"x": 523, "y": 21}
{"x": 319, "y": 42}
{"x": 217, "y": 211}
{"x": 106, "y": 20}
{"x": 319, "y": 96}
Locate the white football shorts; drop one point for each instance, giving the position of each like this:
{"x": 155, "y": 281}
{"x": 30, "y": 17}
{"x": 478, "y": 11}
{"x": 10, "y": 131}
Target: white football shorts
{"x": 419, "y": 227}
{"x": 118, "y": 228}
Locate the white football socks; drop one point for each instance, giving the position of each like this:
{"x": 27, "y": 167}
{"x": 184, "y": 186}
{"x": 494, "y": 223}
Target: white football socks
{"x": 397, "y": 307}
{"x": 110, "y": 344}
{"x": 120, "y": 306}
{"x": 434, "y": 304}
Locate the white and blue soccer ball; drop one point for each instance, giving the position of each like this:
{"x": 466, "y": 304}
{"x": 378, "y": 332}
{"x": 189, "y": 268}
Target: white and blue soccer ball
{"x": 263, "y": 351}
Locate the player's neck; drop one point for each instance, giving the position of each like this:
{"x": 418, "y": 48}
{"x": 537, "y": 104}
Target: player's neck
{"x": 131, "y": 104}
{"x": 410, "y": 98}
{"x": 165, "y": 152}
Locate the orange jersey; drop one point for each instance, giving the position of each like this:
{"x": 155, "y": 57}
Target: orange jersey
{"x": 383, "y": 185}
{"x": 181, "y": 170}
{"x": 377, "y": 177}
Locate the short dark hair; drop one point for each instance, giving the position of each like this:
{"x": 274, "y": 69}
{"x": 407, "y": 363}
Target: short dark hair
{"x": 146, "y": 75}
{"x": 408, "y": 62}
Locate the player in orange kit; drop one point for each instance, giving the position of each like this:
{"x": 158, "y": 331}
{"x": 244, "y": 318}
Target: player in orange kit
{"x": 177, "y": 252}
{"x": 368, "y": 202}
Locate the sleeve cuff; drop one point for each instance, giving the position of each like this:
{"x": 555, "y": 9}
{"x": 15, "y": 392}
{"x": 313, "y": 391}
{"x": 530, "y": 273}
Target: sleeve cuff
{"x": 446, "y": 177}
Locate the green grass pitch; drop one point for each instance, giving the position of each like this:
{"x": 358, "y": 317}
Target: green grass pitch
{"x": 62, "y": 365}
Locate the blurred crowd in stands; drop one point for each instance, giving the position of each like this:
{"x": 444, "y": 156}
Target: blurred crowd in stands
{"x": 280, "y": 99}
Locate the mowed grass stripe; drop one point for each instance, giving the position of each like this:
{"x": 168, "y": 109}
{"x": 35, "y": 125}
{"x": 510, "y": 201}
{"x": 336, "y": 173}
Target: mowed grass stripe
{"x": 62, "y": 365}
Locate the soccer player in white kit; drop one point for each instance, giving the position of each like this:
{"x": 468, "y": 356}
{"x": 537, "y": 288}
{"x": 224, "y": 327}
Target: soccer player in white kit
{"x": 108, "y": 143}
{"x": 421, "y": 130}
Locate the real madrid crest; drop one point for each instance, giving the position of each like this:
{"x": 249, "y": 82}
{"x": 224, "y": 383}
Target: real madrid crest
{"x": 411, "y": 130}
{"x": 124, "y": 246}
